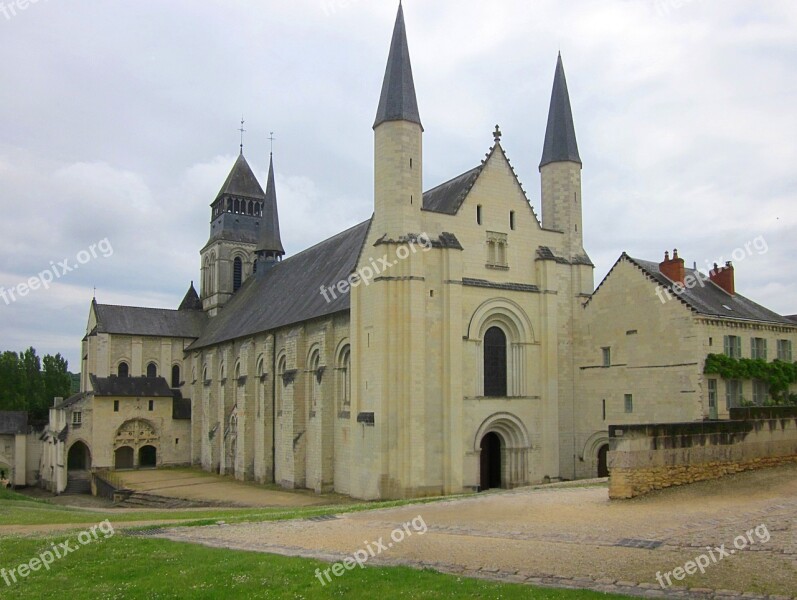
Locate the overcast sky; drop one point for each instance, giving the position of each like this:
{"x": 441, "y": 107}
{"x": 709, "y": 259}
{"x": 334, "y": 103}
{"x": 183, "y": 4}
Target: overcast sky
{"x": 119, "y": 123}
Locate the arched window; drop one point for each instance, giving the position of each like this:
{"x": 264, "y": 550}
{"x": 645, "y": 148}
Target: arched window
{"x": 206, "y": 277}
{"x": 313, "y": 385}
{"x": 122, "y": 370}
{"x": 176, "y": 376}
{"x": 344, "y": 378}
{"x": 280, "y": 383}
{"x": 495, "y": 362}
{"x": 152, "y": 370}
{"x": 237, "y": 274}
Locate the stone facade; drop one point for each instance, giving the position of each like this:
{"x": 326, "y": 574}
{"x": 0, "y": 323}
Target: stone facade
{"x": 656, "y": 355}
{"x": 647, "y": 458}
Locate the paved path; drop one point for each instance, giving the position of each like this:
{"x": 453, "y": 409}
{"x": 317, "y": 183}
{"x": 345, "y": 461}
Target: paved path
{"x": 568, "y": 537}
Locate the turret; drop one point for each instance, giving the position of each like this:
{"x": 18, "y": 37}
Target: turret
{"x": 560, "y": 170}
{"x": 398, "y": 147}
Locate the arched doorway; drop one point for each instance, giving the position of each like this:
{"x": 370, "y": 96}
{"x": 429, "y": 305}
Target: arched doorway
{"x": 490, "y": 461}
{"x": 603, "y": 461}
{"x": 147, "y": 456}
{"x": 78, "y": 458}
{"x": 123, "y": 458}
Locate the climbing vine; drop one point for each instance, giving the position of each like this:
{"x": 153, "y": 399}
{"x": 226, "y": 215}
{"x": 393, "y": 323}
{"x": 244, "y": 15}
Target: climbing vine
{"x": 778, "y": 375}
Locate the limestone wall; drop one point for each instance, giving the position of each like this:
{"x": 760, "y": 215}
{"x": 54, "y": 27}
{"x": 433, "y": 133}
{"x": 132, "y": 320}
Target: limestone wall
{"x": 644, "y": 458}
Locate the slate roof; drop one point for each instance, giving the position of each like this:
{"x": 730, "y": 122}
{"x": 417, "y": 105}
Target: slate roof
{"x": 191, "y": 300}
{"x": 447, "y": 197}
{"x": 290, "y": 291}
{"x": 560, "y": 134}
{"x": 269, "y": 237}
{"x": 241, "y": 182}
{"x": 160, "y": 322}
{"x": 13, "y": 422}
{"x": 792, "y": 318}
{"x": 131, "y": 386}
{"x": 398, "y": 101}
{"x": 710, "y": 299}
{"x": 73, "y": 399}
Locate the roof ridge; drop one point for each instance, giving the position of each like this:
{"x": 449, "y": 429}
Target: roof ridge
{"x": 324, "y": 241}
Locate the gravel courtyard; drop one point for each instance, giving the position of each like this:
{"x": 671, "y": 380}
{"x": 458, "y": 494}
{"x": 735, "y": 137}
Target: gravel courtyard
{"x": 567, "y": 536}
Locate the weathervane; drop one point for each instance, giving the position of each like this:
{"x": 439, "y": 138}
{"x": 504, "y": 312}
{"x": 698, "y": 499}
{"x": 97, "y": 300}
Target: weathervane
{"x": 242, "y": 130}
{"x": 271, "y": 139}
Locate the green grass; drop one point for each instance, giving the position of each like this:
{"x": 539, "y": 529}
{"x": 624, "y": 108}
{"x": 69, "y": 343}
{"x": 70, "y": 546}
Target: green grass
{"x": 127, "y": 567}
{"x": 16, "y": 509}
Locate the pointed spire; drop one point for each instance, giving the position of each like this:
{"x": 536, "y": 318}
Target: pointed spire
{"x": 269, "y": 242}
{"x": 191, "y": 300}
{"x": 560, "y": 135}
{"x": 241, "y": 181}
{"x": 398, "y": 101}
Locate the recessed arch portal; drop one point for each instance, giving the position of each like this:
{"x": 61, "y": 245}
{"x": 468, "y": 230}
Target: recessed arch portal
{"x": 503, "y": 444}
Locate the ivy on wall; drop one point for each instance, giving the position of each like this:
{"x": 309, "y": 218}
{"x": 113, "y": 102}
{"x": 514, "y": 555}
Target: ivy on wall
{"x": 778, "y": 375}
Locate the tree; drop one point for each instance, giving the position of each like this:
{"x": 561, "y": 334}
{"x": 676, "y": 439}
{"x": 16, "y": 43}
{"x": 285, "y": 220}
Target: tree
{"x": 25, "y": 385}
{"x": 57, "y": 379}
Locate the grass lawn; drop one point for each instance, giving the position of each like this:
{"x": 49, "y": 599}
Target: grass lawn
{"x": 131, "y": 567}
{"x": 17, "y": 509}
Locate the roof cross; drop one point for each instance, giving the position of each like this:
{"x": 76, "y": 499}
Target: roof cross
{"x": 242, "y": 130}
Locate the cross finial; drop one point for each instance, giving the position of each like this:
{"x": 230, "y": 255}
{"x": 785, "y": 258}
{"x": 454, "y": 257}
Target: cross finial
{"x": 497, "y": 134}
{"x": 271, "y": 139}
{"x": 242, "y": 130}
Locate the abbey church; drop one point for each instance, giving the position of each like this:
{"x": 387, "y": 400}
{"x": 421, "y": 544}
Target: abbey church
{"x": 452, "y": 342}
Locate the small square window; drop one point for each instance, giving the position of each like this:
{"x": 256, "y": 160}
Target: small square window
{"x": 629, "y": 403}
{"x": 77, "y": 418}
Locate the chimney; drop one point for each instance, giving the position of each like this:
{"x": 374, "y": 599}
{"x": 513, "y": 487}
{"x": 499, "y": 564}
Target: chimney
{"x": 673, "y": 268}
{"x": 723, "y": 277}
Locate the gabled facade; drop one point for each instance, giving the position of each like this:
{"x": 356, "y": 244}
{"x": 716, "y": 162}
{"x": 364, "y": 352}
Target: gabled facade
{"x": 647, "y": 332}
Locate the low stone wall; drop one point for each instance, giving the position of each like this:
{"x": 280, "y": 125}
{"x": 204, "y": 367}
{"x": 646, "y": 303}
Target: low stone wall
{"x": 643, "y": 458}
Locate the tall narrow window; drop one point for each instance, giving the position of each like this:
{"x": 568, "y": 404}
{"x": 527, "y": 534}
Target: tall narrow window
{"x": 122, "y": 370}
{"x": 629, "y": 403}
{"x": 712, "y": 393}
{"x": 495, "y": 362}
{"x": 733, "y": 393}
{"x": 512, "y": 220}
{"x": 152, "y": 370}
{"x": 344, "y": 379}
{"x": 479, "y": 214}
{"x": 176, "y": 376}
{"x": 758, "y": 348}
{"x": 607, "y": 356}
{"x": 733, "y": 346}
{"x": 280, "y": 384}
{"x": 237, "y": 274}
{"x": 784, "y": 350}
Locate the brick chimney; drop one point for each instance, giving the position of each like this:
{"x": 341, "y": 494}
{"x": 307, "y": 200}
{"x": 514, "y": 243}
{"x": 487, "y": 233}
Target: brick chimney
{"x": 673, "y": 268}
{"x": 723, "y": 277}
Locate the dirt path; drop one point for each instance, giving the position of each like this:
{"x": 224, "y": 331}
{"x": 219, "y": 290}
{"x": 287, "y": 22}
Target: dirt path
{"x": 192, "y": 484}
{"x": 571, "y": 537}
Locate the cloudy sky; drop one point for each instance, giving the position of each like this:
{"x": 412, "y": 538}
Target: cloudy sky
{"x": 119, "y": 124}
